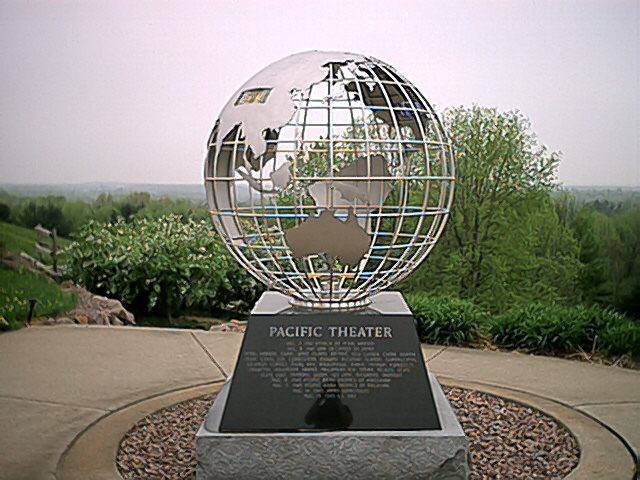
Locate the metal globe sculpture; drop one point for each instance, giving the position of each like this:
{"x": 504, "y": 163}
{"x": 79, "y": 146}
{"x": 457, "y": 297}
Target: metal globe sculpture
{"x": 329, "y": 177}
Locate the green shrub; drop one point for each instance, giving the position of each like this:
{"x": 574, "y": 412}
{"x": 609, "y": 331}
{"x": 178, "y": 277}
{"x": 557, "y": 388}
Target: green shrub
{"x": 559, "y": 329}
{"x": 162, "y": 266}
{"x": 5, "y": 212}
{"x": 542, "y": 328}
{"x": 445, "y": 320}
{"x": 621, "y": 339}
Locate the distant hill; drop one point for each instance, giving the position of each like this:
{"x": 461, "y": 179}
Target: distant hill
{"x": 605, "y": 194}
{"x": 608, "y": 188}
{"x": 90, "y": 191}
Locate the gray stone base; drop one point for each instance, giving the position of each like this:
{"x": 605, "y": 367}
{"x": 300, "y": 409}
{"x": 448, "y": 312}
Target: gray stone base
{"x": 425, "y": 454}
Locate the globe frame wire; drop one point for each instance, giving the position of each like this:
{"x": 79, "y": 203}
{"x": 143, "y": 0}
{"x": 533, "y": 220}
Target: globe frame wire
{"x": 302, "y": 279}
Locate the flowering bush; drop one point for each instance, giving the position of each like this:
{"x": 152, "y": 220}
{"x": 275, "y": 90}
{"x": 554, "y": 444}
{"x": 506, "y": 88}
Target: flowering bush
{"x": 163, "y": 266}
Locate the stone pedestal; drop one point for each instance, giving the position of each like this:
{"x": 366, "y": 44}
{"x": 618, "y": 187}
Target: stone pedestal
{"x": 319, "y": 414}
{"x": 418, "y": 454}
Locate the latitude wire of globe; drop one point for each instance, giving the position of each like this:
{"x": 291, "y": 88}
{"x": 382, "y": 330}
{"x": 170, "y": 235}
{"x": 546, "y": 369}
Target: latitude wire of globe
{"x": 329, "y": 177}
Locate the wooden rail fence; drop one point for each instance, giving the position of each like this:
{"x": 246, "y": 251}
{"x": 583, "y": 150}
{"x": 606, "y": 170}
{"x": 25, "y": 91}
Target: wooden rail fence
{"x": 48, "y": 251}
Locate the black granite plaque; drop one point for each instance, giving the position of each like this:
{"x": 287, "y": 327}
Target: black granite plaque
{"x": 337, "y": 371}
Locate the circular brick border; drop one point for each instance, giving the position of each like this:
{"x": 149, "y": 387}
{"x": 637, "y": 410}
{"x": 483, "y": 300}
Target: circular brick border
{"x": 93, "y": 452}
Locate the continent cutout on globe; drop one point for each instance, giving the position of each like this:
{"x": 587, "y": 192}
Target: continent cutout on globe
{"x": 279, "y": 179}
{"x": 353, "y": 192}
{"x": 347, "y": 241}
{"x": 373, "y": 96}
{"x": 266, "y": 101}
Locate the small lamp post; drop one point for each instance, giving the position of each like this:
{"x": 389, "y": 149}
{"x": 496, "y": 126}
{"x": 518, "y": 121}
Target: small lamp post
{"x": 32, "y": 305}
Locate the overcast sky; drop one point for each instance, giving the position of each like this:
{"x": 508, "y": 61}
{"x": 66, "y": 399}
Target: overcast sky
{"x": 127, "y": 91}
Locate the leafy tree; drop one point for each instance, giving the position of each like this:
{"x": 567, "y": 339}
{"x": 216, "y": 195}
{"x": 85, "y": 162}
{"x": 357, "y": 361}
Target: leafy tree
{"x": 498, "y": 160}
{"x": 5, "y": 212}
{"x": 165, "y": 206}
{"x": 47, "y": 212}
{"x": 77, "y": 213}
{"x": 505, "y": 242}
{"x": 133, "y": 203}
{"x": 593, "y": 275}
{"x": 622, "y": 247}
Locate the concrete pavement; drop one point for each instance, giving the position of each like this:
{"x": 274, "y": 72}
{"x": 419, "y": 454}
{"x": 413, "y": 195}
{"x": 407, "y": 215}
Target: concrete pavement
{"x": 58, "y": 382}
{"x": 55, "y": 381}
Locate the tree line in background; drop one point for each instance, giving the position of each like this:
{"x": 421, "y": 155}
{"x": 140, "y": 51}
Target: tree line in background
{"x": 514, "y": 237}
{"x": 68, "y": 216}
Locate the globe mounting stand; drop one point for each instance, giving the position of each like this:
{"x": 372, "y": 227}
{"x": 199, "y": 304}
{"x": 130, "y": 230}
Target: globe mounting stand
{"x": 348, "y": 306}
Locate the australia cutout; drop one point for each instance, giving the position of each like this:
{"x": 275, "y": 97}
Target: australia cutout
{"x": 346, "y": 241}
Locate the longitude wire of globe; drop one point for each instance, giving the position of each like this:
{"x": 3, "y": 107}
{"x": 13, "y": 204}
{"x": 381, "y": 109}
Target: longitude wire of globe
{"x": 359, "y": 111}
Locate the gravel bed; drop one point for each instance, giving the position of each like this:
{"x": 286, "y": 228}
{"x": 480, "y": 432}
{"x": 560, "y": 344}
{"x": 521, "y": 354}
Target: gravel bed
{"x": 512, "y": 441}
{"x": 508, "y": 440}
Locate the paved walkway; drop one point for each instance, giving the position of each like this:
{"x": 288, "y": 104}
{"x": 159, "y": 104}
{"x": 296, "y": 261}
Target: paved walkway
{"x": 55, "y": 382}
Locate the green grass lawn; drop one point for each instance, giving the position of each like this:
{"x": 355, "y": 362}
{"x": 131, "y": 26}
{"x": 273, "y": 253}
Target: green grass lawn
{"x": 18, "y": 286}
{"x": 17, "y": 239}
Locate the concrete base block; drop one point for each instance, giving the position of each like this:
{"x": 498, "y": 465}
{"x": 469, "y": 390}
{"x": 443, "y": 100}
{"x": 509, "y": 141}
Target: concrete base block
{"x": 419, "y": 454}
